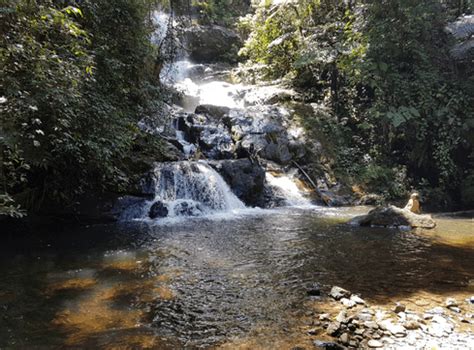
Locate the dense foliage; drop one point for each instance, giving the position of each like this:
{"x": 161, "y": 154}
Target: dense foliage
{"x": 76, "y": 77}
{"x": 401, "y": 105}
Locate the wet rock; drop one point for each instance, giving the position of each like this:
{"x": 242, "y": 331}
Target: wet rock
{"x": 393, "y": 217}
{"x": 158, "y": 210}
{"x": 313, "y": 289}
{"x": 187, "y": 208}
{"x": 375, "y": 344}
{"x": 211, "y": 43}
{"x": 339, "y": 293}
{"x": 216, "y": 142}
{"x": 215, "y": 112}
{"x": 245, "y": 178}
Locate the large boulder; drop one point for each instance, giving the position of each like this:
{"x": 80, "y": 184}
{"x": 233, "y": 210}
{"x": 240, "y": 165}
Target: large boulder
{"x": 245, "y": 178}
{"x": 392, "y": 216}
{"x": 211, "y": 43}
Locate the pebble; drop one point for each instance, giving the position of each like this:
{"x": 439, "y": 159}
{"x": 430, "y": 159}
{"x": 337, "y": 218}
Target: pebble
{"x": 396, "y": 329}
{"x": 421, "y": 302}
{"x": 451, "y": 302}
{"x": 341, "y": 317}
{"x": 365, "y": 317}
{"x": 358, "y": 300}
{"x": 375, "y": 344}
{"x": 399, "y": 308}
{"x": 411, "y": 325}
{"x": 333, "y": 328}
{"x": 371, "y": 325}
{"x": 455, "y": 309}
{"x": 344, "y": 338}
{"x": 436, "y": 311}
{"x": 348, "y": 303}
{"x": 324, "y": 317}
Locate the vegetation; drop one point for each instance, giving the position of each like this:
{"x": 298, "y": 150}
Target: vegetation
{"x": 75, "y": 79}
{"x": 401, "y": 103}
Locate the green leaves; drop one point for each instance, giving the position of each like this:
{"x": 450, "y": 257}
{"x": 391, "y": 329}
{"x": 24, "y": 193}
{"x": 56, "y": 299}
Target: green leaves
{"x": 399, "y": 116}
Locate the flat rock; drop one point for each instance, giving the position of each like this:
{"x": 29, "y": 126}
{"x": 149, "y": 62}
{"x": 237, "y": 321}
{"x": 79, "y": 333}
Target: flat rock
{"x": 357, "y": 299}
{"x": 396, "y": 329}
{"x": 375, "y": 344}
{"x": 392, "y": 216}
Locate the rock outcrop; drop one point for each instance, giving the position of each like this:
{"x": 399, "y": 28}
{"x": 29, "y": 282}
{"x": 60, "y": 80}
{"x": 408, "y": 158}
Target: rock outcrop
{"x": 392, "y": 216}
{"x": 245, "y": 178}
{"x": 211, "y": 43}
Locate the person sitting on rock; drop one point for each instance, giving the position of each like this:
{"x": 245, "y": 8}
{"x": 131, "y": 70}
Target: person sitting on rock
{"x": 413, "y": 204}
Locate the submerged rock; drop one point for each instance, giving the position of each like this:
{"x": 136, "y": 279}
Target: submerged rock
{"x": 393, "y": 217}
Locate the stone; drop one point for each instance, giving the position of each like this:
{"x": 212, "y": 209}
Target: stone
{"x": 455, "y": 309}
{"x": 313, "y": 331}
{"x": 411, "y": 325}
{"x": 333, "y": 328}
{"x": 438, "y": 310}
{"x": 158, "y": 210}
{"x": 348, "y": 303}
{"x": 375, "y": 344}
{"x": 395, "y": 329}
{"x": 399, "y": 308}
{"x": 357, "y": 299}
{"x": 313, "y": 289}
{"x": 187, "y": 208}
{"x": 392, "y": 216}
{"x": 450, "y": 302}
{"x": 324, "y": 317}
{"x": 245, "y": 178}
{"x": 321, "y": 344}
{"x": 339, "y": 293}
{"x": 211, "y": 43}
{"x": 344, "y": 338}
{"x": 365, "y": 316}
{"x": 371, "y": 325}
{"x": 341, "y": 317}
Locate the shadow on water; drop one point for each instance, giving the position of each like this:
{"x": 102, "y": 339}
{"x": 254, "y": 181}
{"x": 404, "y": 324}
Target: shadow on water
{"x": 203, "y": 282}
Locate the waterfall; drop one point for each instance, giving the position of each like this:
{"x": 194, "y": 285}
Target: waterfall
{"x": 286, "y": 186}
{"x": 190, "y": 189}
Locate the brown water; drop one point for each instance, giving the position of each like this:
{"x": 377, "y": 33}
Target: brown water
{"x": 231, "y": 283}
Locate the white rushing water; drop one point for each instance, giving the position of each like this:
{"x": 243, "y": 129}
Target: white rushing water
{"x": 191, "y": 189}
{"x": 286, "y": 185}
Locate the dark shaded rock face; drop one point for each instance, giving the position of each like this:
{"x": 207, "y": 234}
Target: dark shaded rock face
{"x": 158, "y": 210}
{"x": 393, "y": 217}
{"x": 211, "y": 43}
{"x": 245, "y": 178}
